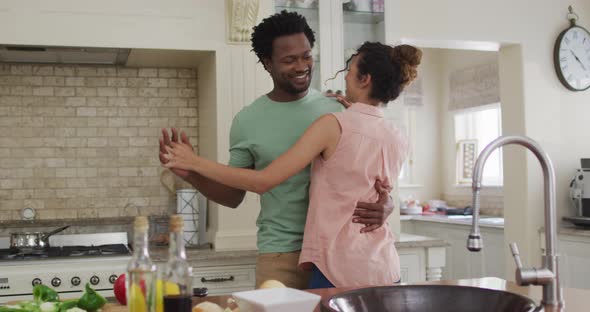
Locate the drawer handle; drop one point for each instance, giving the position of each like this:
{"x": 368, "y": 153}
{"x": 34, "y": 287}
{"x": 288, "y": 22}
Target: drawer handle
{"x": 217, "y": 279}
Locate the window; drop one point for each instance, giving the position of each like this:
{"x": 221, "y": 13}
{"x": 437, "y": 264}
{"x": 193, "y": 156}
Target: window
{"x": 475, "y": 128}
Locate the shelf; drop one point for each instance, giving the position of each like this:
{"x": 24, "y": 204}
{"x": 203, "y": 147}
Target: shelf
{"x": 351, "y": 17}
{"x": 310, "y": 13}
{"x": 358, "y": 17}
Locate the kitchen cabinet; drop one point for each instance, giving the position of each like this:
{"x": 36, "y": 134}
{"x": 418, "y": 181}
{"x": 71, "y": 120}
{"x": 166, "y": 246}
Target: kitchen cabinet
{"x": 417, "y": 264}
{"x": 460, "y": 262}
{"x": 573, "y": 247}
{"x": 421, "y": 264}
{"x": 339, "y": 29}
{"x": 225, "y": 279}
{"x": 223, "y": 272}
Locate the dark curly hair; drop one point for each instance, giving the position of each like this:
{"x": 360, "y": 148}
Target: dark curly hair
{"x": 277, "y": 25}
{"x": 391, "y": 68}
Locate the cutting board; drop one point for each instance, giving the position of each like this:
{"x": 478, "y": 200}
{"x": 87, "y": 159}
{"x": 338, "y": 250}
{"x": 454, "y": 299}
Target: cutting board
{"x": 114, "y": 307}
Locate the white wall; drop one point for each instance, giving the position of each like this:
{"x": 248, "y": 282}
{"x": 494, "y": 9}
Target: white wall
{"x": 173, "y": 24}
{"x": 534, "y": 102}
{"x": 428, "y": 150}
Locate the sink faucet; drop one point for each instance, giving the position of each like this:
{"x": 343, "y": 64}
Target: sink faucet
{"x": 547, "y": 276}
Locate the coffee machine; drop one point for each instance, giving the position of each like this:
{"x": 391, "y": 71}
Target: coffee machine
{"x": 580, "y": 194}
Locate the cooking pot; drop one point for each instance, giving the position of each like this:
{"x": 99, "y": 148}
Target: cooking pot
{"x": 32, "y": 240}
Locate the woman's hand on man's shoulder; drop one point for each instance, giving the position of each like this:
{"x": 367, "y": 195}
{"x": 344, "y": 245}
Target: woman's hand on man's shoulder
{"x": 339, "y": 97}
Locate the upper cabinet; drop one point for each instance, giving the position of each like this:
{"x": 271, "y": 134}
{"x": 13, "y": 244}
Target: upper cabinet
{"x": 340, "y": 26}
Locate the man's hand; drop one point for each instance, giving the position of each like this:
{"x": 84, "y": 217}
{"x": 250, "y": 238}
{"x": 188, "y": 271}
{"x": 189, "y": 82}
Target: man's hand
{"x": 374, "y": 215}
{"x": 166, "y": 141}
{"x": 181, "y": 156}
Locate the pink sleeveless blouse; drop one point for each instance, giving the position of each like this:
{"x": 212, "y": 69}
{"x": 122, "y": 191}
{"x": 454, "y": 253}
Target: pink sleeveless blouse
{"x": 370, "y": 148}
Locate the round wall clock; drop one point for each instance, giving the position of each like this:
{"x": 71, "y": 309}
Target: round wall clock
{"x": 571, "y": 56}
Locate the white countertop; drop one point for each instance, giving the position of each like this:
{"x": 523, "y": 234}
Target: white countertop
{"x": 484, "y": 221}
{"x": 204, "y": 257}
{"x": 412, "y": 241}
{"x": 574, "y": 231}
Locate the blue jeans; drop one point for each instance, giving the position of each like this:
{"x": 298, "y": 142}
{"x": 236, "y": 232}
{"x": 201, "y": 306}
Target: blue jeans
{"x": 318, "y": 279}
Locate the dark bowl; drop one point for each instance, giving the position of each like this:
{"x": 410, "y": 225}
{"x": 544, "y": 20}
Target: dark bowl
{"x": 423, "y": 298}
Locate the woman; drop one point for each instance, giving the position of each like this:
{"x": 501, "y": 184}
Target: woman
{"x": 350, "y": 151}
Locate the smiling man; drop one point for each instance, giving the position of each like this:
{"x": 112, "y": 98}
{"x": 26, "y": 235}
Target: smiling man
{"x": 267, "y": 128}
{"x": 264, "y": 130}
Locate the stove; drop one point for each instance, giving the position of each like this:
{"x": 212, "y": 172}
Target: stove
{"x": 63, "y": 252}
{"x": 71, "y": 262}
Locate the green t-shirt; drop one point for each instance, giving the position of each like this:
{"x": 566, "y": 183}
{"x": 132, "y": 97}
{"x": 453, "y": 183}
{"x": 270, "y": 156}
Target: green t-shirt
{"x": 260, "y": 133}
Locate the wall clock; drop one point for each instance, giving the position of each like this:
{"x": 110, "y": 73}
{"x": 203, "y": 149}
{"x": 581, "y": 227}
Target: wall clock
{"x": 571, "y": 56}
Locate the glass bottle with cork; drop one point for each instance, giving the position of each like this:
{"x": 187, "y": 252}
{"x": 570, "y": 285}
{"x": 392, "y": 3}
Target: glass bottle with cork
{"x": 178, "y": 273}
{"x": 141, "y": 271}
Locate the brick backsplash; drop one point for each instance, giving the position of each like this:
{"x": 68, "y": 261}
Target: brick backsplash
{"x": 81, "y": 141}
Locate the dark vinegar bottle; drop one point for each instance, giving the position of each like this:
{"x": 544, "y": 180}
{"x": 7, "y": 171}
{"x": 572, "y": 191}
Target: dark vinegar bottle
{"x": 178, "y": 273}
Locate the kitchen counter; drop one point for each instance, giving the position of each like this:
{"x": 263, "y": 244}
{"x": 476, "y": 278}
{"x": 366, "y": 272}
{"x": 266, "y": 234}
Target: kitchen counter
{"x": 582, "y": 233}
{"x": 207, "y": 257}
{"x": 127, "y": 221}
{"x": 575, "y": 299}
{"x": 484, "y": 221}
{"x": 413, "y": 241}
{"x": 574, "y": 231}
{"x": 201, "y": 256}
{"x": 77, "y": 226}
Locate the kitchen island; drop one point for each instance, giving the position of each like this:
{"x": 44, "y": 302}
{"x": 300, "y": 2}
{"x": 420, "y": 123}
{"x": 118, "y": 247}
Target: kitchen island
{"x": 460, "y": 262}
{"x": 576, "y": 299}
{"x": 223, "y": 272}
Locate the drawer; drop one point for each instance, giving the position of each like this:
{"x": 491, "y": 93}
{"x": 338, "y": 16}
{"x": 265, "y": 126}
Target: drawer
{"x": 221, "y": 280}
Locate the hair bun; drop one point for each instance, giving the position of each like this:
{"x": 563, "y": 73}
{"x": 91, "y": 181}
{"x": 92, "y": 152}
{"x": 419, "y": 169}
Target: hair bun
{"x": 408, "y": 57}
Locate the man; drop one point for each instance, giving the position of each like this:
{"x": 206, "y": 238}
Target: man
{"x": 264, "y": 130}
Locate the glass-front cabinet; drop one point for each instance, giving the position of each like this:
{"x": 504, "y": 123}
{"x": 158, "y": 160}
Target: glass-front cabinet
{"x": 340, "y": 27}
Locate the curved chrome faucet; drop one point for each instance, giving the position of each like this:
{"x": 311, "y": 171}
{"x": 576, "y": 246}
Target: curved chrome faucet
{"x": 547, "y": 276}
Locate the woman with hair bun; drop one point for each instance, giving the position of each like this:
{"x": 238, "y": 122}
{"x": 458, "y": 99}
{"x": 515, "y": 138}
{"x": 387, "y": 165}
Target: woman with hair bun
{"x": 349, "y": 152}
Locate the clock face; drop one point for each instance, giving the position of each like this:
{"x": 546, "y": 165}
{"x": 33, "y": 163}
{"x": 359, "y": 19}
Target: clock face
{"x": 572, "y": 58}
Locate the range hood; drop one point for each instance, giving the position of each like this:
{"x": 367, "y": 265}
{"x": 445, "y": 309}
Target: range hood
{"x": 63, "y": 55}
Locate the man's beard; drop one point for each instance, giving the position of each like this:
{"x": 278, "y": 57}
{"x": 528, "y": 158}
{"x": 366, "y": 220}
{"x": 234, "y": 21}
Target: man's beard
{"x": 290, "y": 88}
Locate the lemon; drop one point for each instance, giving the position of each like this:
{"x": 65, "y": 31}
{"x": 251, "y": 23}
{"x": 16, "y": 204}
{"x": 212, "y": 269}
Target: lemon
{"x": 271, "y": 284}
{"x": 136, "y": 300}
{"x": 162, "y": 288}
{"x": 207, "y": 306}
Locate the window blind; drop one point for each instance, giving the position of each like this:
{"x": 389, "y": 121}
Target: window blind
{"x": 474, "y": 86}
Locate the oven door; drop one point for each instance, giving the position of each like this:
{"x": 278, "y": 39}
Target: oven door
{"x": 62, "y": 295}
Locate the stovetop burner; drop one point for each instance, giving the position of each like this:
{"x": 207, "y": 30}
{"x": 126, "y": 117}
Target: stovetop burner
{"x": 64, "y": 252}
{"x": 77, "y": 251}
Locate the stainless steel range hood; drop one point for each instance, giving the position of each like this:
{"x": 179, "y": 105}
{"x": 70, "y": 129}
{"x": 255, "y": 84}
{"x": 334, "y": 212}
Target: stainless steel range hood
{"x": 63, "y": 55}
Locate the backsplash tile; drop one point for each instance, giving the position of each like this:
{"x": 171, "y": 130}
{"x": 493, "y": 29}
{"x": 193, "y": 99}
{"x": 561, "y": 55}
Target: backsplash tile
{"x": 490, "y": 204}
{"x": 80, "y": 142}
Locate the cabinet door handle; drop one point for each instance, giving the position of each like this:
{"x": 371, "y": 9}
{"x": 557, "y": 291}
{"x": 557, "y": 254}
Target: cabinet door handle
{"x": 217, "y": 279}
